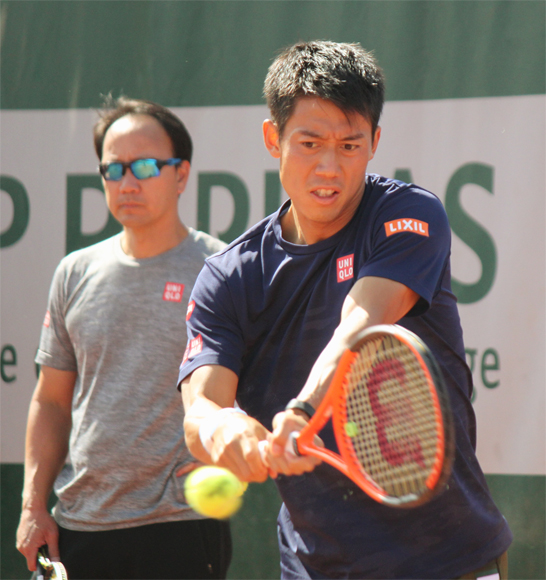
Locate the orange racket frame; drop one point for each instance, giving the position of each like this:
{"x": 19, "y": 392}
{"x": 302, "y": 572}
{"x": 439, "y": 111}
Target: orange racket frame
{"x": 333, "y": 406}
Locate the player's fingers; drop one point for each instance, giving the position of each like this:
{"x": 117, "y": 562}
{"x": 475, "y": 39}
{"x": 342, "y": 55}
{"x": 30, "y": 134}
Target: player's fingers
{"x": 31, "y": 561}
{"x": 302, "y": 468}
{"x": 242, "y": 457}
{"x": 255, "y": 460}
{"x": 263, "y": 448}
{"x": 235, "y": 446}
{"x": 30, "y": 553}
{"x": 285, "y": 423}
{"x": 52, "y": 538}
{"x": 33, "y": 536}
{"x": 290, "y": 465}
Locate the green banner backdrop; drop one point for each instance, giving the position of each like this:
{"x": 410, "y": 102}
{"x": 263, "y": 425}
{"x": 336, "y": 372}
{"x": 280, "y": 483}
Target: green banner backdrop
{"x": 464, "y": 118}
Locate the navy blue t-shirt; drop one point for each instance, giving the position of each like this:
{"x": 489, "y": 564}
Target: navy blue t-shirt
{"x": 265, "y": 308}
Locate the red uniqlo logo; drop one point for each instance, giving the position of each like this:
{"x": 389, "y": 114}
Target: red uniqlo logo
{"x": 173, "y": 292}
{"x": 47, "y": 319}
{"x": 195, "y": 346}
{"x": 345, "y": 269}
{"x": 189, "y": 311}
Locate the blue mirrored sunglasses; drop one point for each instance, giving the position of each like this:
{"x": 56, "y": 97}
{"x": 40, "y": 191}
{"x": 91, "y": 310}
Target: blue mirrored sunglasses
{"x": 141, "y": 168}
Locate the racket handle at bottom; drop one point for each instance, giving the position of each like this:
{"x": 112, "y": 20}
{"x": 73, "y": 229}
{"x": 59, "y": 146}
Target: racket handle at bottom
{"x": 291, "y": 447}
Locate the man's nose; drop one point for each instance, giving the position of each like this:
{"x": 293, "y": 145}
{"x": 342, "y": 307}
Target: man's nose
{"x": 128, "y": 181}
{"x": 328, "y": 165}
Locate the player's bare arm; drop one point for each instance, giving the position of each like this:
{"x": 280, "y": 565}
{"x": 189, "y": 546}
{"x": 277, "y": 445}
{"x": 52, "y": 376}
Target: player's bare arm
{"x": 236, "y": 438}
{"x": 205, "y": 392}
{"x": 371, "y": 301}
{"x": 48, "y": 430}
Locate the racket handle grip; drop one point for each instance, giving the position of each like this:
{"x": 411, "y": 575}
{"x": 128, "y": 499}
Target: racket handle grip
{"x": 291, "y": 447}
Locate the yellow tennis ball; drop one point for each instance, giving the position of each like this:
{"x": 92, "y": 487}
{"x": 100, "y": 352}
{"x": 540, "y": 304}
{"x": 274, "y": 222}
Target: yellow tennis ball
{"x": 214, "y": 492}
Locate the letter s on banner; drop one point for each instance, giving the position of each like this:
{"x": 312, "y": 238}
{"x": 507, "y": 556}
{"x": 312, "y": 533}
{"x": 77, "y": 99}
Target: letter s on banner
{"x": 470, "y": 231}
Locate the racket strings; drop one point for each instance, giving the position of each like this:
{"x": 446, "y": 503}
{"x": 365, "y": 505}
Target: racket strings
{"x": 391, "y": 424}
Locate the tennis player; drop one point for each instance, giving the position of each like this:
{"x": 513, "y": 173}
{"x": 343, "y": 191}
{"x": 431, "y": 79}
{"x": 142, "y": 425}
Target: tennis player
{"x": 105, "y": 427}
{"x": 273, "y": 312}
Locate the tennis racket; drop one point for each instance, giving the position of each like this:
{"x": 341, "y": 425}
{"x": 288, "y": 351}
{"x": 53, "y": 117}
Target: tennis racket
{"x": 48, "y": 570}
{"x": 391, "y": 418}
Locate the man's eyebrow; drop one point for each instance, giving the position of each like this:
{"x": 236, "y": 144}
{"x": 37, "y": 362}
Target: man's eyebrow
{"x": 307, "y": 133}
{"x": 353, "y": 137}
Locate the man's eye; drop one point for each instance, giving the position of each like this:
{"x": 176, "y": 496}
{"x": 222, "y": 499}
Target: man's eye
{"x": 350, "y": 146}
{"x": 309, "y": 144}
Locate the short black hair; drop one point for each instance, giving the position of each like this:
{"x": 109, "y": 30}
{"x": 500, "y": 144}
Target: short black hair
{"x": 114, "y": 109}
{"x": 344, "y": 74}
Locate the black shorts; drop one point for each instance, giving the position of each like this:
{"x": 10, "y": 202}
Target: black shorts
{"x": 184, "y": 549}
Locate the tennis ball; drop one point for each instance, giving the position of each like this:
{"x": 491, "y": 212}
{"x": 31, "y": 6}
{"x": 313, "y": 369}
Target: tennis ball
{"x": 214, "y": 492}
{"x": 351, "y": 429}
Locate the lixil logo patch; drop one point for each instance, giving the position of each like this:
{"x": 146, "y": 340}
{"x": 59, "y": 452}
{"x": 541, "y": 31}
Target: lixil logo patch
{"x": 173, "y": 292}
{"x": 406, "y": 225}
{"x": 345, "y": 270}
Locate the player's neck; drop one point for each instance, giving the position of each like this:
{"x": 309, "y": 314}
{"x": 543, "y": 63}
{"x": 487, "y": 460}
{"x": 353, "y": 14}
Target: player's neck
{"x": 302, "y": 232}
{"x": 142, "y": 243}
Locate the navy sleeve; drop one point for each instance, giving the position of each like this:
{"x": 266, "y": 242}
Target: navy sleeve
{"x": 410, "y": 243}
{"x": 214, "y": 335}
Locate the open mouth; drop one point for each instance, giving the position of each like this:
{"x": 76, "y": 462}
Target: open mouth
{"x": 325, "y": 192}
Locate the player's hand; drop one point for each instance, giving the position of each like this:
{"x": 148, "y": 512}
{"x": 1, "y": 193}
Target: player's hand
{"x": 276, "y": 456}
{"x": 36, "y": 528}
{"x": 235, "y": 447}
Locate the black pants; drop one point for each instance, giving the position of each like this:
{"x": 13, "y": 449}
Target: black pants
{"x": 185, "y": 549}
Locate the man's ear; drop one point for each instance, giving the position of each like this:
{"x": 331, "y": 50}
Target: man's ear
{"x": 182, "y": 174}
{"x": 376, "y": 137}
{"x": 271, "y": 138}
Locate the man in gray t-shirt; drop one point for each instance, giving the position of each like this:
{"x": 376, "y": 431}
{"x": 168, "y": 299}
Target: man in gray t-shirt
{"x": 105, "y": 420}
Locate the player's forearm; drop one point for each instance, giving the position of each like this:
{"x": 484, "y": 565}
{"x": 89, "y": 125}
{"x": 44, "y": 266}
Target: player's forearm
{"x": 207, "y": 390}
{"x": 48, "y": 431}
{"x": 371, "y": 301}
{"x": 215, "y": 431}
{"x": 325, "y": 366}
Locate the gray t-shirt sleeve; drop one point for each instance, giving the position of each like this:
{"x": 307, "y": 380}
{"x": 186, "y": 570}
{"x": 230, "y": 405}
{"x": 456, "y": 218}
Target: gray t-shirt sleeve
{"x": 56, "y": 348}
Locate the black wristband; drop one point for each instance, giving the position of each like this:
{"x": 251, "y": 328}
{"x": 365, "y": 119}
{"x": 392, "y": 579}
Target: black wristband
{"x": 302, "y": 406}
